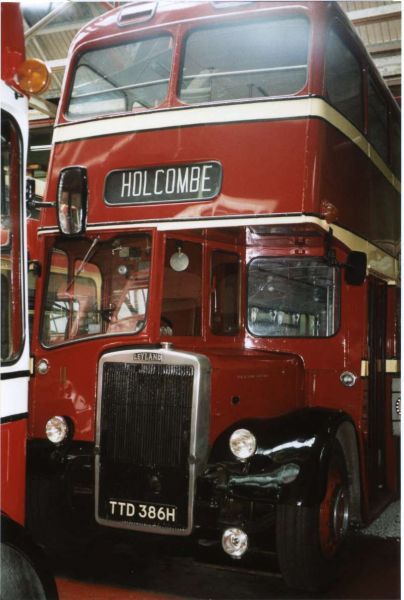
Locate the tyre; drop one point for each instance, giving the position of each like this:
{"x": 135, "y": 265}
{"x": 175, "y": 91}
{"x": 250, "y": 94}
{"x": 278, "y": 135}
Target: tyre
{"x": 24, "y": 569}
{"x": 310, "y": 539}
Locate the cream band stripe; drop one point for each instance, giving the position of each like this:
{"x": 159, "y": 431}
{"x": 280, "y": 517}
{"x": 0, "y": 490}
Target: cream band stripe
{"x": 230, "y": 113}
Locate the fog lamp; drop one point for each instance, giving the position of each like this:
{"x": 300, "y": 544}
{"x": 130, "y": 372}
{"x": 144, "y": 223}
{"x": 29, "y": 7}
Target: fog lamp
{"x": 235, "y": 542}
{"x": 56, "y": 429}
{"x": 242, "y": 443}
{"x": 72, "y": 200}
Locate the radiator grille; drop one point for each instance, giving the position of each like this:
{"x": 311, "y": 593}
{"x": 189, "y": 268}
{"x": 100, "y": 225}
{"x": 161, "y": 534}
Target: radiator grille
{"x": 146, "y": 414}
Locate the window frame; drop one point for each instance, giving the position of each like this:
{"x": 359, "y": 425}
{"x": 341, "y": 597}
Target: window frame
{"x": 18, "y": 261}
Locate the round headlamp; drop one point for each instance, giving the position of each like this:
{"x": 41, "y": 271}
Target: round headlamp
{"x": 56, "y": 429}
{"x": 242, "y": 443}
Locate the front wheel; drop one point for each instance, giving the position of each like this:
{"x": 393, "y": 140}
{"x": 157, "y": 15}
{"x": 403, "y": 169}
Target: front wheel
{"x": 310, "y": 539}
{"x": 24, "y": 570}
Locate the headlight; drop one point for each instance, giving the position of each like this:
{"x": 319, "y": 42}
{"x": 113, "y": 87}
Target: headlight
{"x": 56, "y": 429}
{"x": 242, "y": 443}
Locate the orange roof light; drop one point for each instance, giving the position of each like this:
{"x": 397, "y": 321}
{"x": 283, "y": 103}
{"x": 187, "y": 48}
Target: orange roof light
{"x": 33, "y": 76}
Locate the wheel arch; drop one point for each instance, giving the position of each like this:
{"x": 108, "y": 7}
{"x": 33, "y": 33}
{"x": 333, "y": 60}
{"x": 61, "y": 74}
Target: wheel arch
{"x": 305, "y": 438}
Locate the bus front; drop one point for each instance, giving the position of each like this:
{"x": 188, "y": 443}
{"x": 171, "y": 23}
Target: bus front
{"x": 189, "y": 281}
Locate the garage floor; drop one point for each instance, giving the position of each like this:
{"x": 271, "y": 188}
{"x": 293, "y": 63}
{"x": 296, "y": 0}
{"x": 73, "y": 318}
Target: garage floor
{"x": 116, "y": 571}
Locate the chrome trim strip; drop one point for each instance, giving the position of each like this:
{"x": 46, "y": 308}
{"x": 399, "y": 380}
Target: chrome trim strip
{"x": 199, "y": 426}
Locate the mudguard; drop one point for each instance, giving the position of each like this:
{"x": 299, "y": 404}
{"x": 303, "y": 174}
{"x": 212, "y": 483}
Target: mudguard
{"x": 290, "y": 464}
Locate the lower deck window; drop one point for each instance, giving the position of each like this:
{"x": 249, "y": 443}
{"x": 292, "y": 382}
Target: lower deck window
{"x": 290, "y": 297}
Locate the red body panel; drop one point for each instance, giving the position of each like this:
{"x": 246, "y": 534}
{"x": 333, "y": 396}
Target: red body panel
{"x": 32, "y": 238}
{"x": 253, "y": 158}
{"x": 265, "y": 385}
{"x": 13, "y": 439}
{"x": 12, "y": 41}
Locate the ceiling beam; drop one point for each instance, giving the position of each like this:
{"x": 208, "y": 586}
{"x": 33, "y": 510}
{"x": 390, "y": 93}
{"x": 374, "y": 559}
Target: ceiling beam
{"x": 45, "y": 20}
{"x": 61, "y": 27}
{"x": 389, "y": 66}
{"x": 364, "y": 16}
{"x": 43, "y": 106}
{"x": 59, "y": 64}
{"x": 392, "y": 46}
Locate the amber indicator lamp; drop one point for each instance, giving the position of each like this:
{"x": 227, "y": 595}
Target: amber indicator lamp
{"x": 33, "y": 76}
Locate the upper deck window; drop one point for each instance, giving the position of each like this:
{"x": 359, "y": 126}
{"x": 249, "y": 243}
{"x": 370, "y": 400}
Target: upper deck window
{"x": 248, "y": 60}
{"x": 121, "y": 78}
{"x": 344, "y": 79}
{"x": 377, "y": 120}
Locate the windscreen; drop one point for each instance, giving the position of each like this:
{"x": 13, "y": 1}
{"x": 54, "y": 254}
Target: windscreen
{"x": 121, "y": 78}
{"x": 248, "y": 60}
{"x": 96, "y": 288}
{"x": 289, "y": 297}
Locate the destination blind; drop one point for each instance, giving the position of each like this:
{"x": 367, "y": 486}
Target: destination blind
{"x": 179, "y": 183}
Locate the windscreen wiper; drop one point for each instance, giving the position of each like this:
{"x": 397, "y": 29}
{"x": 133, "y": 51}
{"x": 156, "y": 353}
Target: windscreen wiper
{"x": 83, "y": 263}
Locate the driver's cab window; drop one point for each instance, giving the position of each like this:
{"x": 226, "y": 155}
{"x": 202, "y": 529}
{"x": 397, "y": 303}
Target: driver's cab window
{"x": 72, "y": 306}
{"x": 182, "y": 289}
{"x": 56, "y": 314}
{"x": 225, "y": 293}
{"x": 96, "y": 287}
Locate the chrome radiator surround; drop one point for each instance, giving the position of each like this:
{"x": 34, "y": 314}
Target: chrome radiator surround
{"x": 199, "y": 425}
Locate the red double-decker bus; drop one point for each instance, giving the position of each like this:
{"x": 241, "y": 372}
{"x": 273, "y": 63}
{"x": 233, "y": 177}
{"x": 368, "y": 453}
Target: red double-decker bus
{"x": 24, "y": 572}
{"x": 216, "y": 315}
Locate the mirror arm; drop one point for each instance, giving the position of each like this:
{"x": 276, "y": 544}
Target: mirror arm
{"x": 355, "y": 267}
{"x": 32, "y": 204}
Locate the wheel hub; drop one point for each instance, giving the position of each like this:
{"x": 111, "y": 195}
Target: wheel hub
{"x": 334, "y": 514}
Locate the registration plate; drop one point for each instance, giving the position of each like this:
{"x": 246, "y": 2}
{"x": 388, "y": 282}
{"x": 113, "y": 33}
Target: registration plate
{"x": 141, "y": 512}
